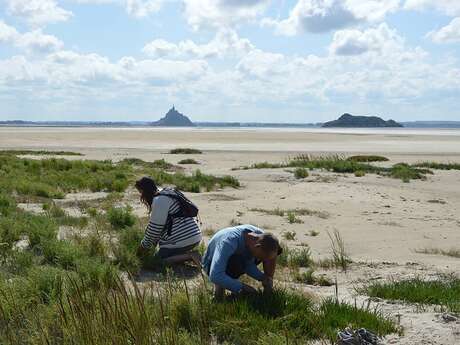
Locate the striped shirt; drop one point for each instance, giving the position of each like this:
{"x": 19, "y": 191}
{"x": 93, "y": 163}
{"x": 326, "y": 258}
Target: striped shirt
{"x": 184, "y": 231}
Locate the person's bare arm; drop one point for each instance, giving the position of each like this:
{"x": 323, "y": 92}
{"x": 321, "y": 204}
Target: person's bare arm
{"x": 269, "y": 267}
{"x": 269, "y": 272}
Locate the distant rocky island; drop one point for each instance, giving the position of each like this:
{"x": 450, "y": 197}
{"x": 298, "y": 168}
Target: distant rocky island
{"x": 351, "y": 121}
{"x": 173, "y": 119}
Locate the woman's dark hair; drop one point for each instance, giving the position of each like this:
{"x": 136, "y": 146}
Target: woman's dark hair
{"x": 147, "y": 187}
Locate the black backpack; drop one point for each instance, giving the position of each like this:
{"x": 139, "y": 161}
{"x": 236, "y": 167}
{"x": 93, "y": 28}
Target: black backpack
{"x": 186, "y": 207}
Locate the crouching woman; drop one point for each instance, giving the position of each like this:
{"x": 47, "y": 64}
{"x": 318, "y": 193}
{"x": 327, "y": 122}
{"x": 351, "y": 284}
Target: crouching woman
{"x": 171, "y": 225}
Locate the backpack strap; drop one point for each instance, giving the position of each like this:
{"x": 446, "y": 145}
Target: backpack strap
{"x": 178, "y": 214}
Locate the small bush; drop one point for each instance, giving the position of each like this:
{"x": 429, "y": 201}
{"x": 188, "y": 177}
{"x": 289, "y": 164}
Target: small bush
{"x": 406, "y": 173}
{"x": 41, "y": 153}
{"x": 289, "y": 235}
{"x": 120, "y": 217}
{"x": 300, "y": 173}
{"x": 360, "y": 173}
{"x": 367, "y": 159}
{"x": 455, "y": 253}
{"x": 438, "y": 166}
{"x": 188, "y": 161}
{"x": 291, "y": 218}
{"x": 309, "y": 277}
{"x": 186, "y": 151}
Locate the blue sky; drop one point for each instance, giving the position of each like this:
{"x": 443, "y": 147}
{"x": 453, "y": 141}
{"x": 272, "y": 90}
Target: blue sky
{"x": 229, "y": 60}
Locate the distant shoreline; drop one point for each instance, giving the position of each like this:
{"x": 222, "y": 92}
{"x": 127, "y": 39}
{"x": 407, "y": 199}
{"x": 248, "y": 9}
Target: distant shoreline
{"x": 83, "y": 124}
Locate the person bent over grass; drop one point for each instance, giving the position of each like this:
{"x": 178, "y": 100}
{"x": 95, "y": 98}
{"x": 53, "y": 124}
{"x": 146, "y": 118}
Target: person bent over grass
{"x": 238, "y": 250}
{"x": 172, "y": 224}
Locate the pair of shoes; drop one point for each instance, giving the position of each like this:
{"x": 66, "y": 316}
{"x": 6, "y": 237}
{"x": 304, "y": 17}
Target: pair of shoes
{"x": 347, "y": 337}
{"x": 360, "y": 337}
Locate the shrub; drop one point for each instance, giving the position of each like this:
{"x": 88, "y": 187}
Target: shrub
{"x": 188, "y": 161}
{"x": 365, "y": 158}
{"x": 406, "y": 173}
{"x": 185, "y": 151}
{"x": 291, "y": 217}
{"x": 300, "y": 173}
{"x": 360, "y": 173}
{"x": 289, "y": 235}
{"x": 120, "y": 217}
{"x": 308, "y": 277}
{"x": 39, "y": 152}
{"x": 438, "y": 166}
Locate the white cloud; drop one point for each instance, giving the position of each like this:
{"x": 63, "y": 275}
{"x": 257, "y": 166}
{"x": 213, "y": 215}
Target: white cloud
{"x": 218, "y": 13}
{"x": 373, "y": 10}
{"x": 7, "y": 33}
{"x": 68, "y": 69}
{"x": 33, "y": 42}
{"x": 356, "y": 42}
{"x": 38, "y": 12}
{"x": 319, "y": 16}
{"x": 447, "y": 34}
{"x": 225, "y": 43}
{"x": 142, "y": 8}
{"x": 37, "y": 41}
{"x": 449, "y": 7}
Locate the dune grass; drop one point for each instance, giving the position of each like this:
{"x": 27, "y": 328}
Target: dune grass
{"x": 341, "y": 164}
{"x": 301, "y": 173}
{"x": 185, "y": 151}
{"x": 188, "y": 161}
{"x": 289, "y": 235}
{"x": 58, "y": 309}
{"x": 292, "y": 212}
{"x": 39, "y": 153}
{"x": 368, "y": 158}
{"x": 438, "y": 166}
{"x": 70, "y": 292}
{"x": 121, "y": 217}
{"x": 53, "y": 178}
{"x": 443, "y": 292}
{"x": 453, "y": 252}
{"x": 309, "y": 277}
{"x": 73, "y": 291}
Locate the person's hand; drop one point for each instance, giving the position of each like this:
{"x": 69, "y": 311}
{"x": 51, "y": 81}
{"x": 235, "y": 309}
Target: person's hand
{"x": 247, "y": 290}
{"x": 267, "y": 283}
{"x": 141, "y": 251}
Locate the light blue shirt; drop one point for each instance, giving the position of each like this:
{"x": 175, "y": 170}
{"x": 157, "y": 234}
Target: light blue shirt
{"x": 221, "y": 247}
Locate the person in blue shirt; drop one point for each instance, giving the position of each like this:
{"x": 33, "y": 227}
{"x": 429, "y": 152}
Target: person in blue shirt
{"x": 238, "y": 250}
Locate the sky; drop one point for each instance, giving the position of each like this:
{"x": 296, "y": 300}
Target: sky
{"x": 229, "y": 60}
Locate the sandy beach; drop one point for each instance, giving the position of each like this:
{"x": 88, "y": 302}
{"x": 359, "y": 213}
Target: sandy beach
{"x": 383, "y": 221}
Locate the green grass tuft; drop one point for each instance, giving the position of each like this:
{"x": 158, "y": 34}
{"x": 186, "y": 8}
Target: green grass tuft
{"x": 342, "y": 165}
{"x": 39, "y": 152}
{"x": 438, "y": 166}
{"x": 186, "y": 151}
{"x": 188, "y": 161}
{"x": 453, "y": 252}
{"x": 289, "y": 235}
{"x": 301, "y": 173}
{"x": 367, "y": 158}
{"x": 443, "y": 292}
{"x": 121, "y": 217}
